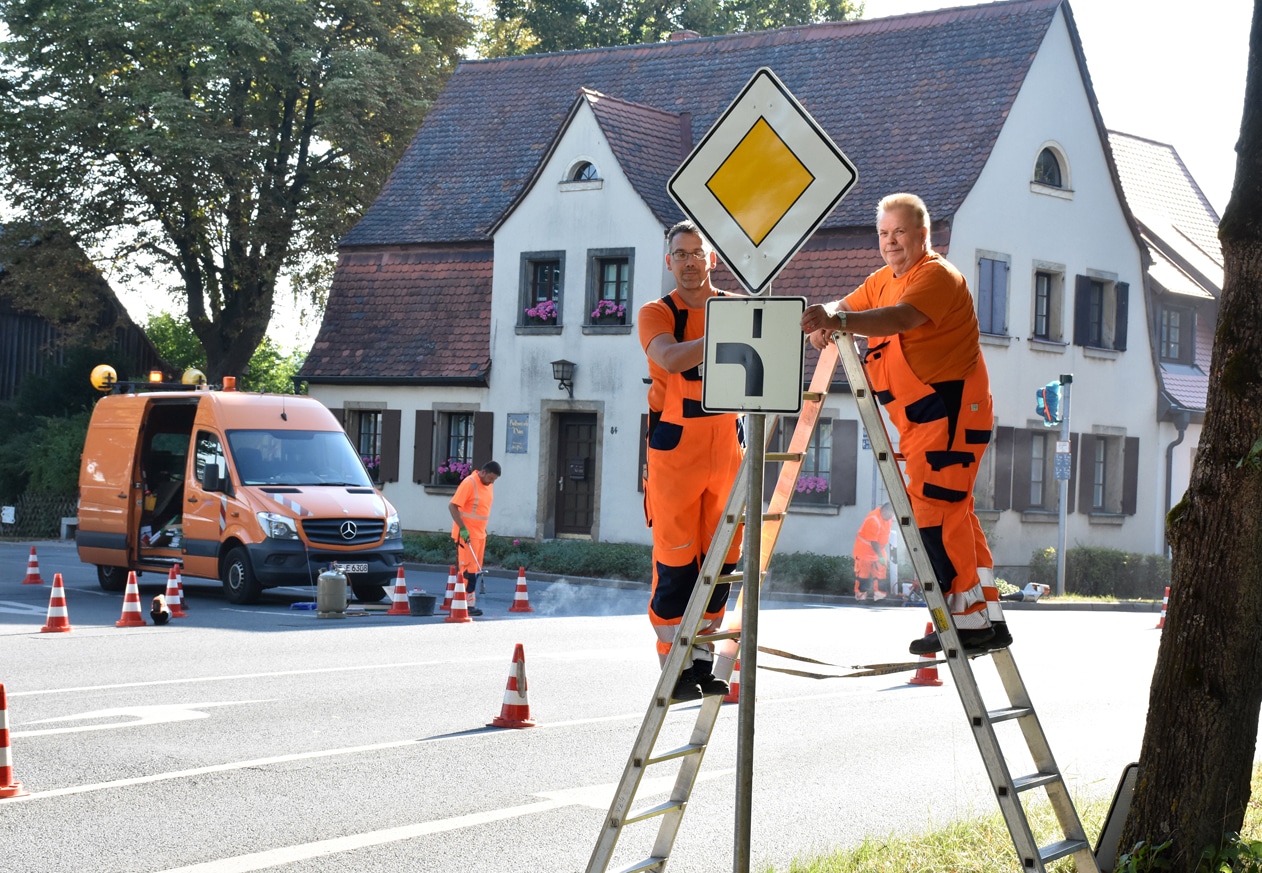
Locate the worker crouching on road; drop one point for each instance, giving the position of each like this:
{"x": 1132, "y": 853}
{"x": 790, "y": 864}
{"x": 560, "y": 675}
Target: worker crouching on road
{"x": 872, "y": 555}
{"x": 693, "y": 456}
{"x": 925, "y": 364}
{"x": 470, "y": 509}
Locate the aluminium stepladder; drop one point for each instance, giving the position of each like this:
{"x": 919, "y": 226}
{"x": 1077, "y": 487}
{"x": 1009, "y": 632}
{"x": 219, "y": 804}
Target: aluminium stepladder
{"x": 690, "y": 754}
{"x": 1008, "y": 789}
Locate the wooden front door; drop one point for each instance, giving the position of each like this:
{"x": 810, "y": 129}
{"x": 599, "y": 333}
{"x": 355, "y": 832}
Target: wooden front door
{"x": 575, "y": 497}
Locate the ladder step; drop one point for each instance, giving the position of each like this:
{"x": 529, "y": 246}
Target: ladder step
{"x": 812, "y": 396}
{"x": 688, "y": 749}
{"x": 1034, "y": 780}
{"x": 719, "y": 635}
{"x": 1061, "y": 849}
{"x": 653, "y": 811}
{"x": 731, "y": 577}
{"x": 1011, "y": 712}
{"x": 784, "y": 456}
{"x": 644, "y": 866}
{"x": 774, "y": 516}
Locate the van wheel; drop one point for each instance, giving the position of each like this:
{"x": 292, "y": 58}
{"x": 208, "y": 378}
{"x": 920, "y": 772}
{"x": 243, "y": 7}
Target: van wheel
{"x": 111, "y": 578}
{"x": 366, "y": 592}
{"x": 239, "y": 584}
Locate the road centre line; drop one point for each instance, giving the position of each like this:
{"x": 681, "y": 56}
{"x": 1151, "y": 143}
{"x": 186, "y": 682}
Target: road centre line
{"x": 306, "y": 672}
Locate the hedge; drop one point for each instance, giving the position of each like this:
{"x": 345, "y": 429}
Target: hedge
{"x": 1098, "y": 572}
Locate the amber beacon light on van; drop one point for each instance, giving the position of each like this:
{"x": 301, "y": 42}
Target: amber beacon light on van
{"x": 105, "y": 379}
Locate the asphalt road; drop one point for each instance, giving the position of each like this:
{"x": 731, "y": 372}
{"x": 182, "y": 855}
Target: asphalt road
{"x": 262, "y": 737}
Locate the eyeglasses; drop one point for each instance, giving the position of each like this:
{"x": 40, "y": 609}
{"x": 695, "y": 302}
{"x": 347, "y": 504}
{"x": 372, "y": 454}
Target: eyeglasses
{"x": 680, "y": 255}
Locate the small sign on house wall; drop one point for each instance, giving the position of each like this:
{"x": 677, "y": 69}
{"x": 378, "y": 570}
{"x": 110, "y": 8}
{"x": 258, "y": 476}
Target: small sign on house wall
{"x": 517, "y": 440}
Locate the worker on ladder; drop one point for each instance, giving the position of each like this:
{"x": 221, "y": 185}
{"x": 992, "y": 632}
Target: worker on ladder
{"x": 693, "y": 456}
{"x": 925, "y": 365}
{"x": 872, "y": 555}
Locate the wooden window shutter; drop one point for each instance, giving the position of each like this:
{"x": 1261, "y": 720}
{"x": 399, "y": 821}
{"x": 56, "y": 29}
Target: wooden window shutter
{"x": 1003, "y": 468}
{"x": 642, "y": 470}
{"x": 423, "y": 447}
{"x": 1122, "y": 292}
{"x": 1082, "y": 310}
{"x": 1022, "y": 441}
{"x": 391, "y": 420}
{"x": 483, "y": 438}
{"x": 1130, "y": 476}
{"x": 340, "y": 414}
{"x": 845, "y": 467}
{"x": 1086, "y": 469}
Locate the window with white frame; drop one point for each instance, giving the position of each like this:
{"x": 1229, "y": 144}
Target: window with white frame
{"x": 609, "y": 282}
{"x": 1047, "y": 169}
{"x": 815, "y": 477}
{"x": 454, "y": 446}
{"x": 992, "y": 294}
{"x": 541, "y": 279}
{"x": 1038, "y": 469}
{"x": 367, "y": 430}
{"x": 1048, "y": 304}
{"x": 1175, "y": 333}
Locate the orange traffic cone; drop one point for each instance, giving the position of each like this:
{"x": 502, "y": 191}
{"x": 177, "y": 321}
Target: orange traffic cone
{"x": 9, "y": 787}
{"x": 179, "y": 585}
{"x": 521, "y": 600}
{"x": 399, "y": 596}
{"x": 451, "y": 589}
{"x": 175, "y": 603}
{"x": 58, "y": 619}
{"x": 32, "y": 570}
{"x": 459, "y": 606}
{"x": 734, "y": 687}
{"x": 515, "y": 713}
{"x": 1161, "y": 622}
{"x": 132, "y": 616}
{"x": 926, "y": 675}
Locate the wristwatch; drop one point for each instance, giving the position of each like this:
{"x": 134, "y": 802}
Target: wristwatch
{"x": 841, "y": 313}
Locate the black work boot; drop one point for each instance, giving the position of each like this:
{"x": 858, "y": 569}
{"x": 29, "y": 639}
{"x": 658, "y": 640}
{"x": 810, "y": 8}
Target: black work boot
{"x": 703, "y": 673}
{"x": 686, "y": 687}
{"x": 972, "y": 640}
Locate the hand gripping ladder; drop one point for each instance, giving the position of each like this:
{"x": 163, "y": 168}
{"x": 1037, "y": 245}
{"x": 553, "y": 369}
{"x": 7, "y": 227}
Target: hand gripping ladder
{"x": 689, "y": 756}
{"x": 1007, "y": 788}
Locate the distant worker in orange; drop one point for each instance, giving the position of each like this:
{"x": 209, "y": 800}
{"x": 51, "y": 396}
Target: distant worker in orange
{"x": 871, "y": 554}
{"x": 470, "y": 509}
{"x": 693, "y": 456}
{"x": 925, "y": 364}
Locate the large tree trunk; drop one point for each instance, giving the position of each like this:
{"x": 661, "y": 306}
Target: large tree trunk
{"x": 1197, "y": 754}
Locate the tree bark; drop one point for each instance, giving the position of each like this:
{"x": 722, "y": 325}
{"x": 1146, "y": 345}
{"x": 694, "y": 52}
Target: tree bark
{"x": 1197, "y": 754}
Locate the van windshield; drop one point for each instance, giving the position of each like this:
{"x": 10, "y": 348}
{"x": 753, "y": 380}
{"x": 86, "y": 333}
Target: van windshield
{"x": 296, "y": 457}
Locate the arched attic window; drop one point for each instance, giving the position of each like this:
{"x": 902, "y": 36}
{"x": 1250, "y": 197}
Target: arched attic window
{"x": 1047, "y": 169}
{"x": 583, "y": 171}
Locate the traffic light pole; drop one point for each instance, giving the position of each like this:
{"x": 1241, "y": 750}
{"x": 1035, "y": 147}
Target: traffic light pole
{"x": 1065, "y": 382}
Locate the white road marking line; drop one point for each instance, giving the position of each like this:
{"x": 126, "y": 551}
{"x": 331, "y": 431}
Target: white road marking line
{"x": 596, "y": 796}
{"x": 136, "y": 717}
{"x": 16, "y": 608}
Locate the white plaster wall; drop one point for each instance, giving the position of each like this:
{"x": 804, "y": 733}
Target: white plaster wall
{"x": 608, "y": 367}
{"x": 1086, "y": 232}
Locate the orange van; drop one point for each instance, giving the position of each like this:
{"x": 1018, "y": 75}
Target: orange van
{"x": 256, "y": 490}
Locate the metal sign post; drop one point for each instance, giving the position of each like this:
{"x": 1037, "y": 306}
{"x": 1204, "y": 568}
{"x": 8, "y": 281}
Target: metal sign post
{"x": 1065, "y": 381}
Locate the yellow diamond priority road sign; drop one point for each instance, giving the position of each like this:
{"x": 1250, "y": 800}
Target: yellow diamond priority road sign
{"x": 760, "y": 182}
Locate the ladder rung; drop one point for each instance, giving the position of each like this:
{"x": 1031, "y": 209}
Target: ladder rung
{"x": 998, "y": 715}
{"x": 1034, "y": 780}
{"x": 644, "y": 866}
{"x": 652, "y": 811}
{"x": 813, "y": 396}
{"x": 1061, "y": 849}
{"x": 784, "y": 456}
{"x": 731, "y": 577}
{"x": 774, "y": 516}
{"x": 720, "y": 635}
{"x": 682, "y": 751}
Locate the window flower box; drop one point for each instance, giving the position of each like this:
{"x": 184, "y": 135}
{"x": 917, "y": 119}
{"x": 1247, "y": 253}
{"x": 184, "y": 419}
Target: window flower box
{"x": 452, "y": 470}
{"x": 544, "y": 312}
{"x": 609, "y": 312}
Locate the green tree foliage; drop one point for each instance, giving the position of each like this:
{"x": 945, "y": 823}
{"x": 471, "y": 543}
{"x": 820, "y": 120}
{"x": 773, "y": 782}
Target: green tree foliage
{"x": 523, "y": 26}
{"x": 269, "y": 369}
{"x": 226, "y": 141}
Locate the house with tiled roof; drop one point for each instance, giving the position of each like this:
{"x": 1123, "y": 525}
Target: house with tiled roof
{"x": 523, "y": 229}
{"x": 1183, "y": 280}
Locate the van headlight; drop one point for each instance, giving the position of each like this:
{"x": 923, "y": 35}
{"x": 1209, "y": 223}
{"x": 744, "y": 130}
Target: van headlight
{"x": 277, "y": 527}
{"x": 394, "y": 530}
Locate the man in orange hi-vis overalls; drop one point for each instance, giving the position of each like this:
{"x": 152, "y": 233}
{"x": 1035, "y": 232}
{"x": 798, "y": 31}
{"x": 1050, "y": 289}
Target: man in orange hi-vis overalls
{"x": 871, "y": 553}
{"x": 926, "y": 367}
{"x": 693, "y": 456}
{"x": 470, "y": 509}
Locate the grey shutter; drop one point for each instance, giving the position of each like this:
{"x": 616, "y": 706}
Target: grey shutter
{"x": 844, "y": 471}
{"x": 1082, "y": 310}
{"x": 1121, "y": 312}
{"x": 999, "y": 311}
{"x": 1003, "y": 468}
{"x": 1130, "y": 475}
{"x": 483, "y": 438}
{"x": 1086, "y": 471}
{"x": 423, "y": 447}
{"x": 1022, "y": 441}
{"x": 985, "y": 294}
{"x": 390, "y": 426}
